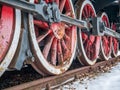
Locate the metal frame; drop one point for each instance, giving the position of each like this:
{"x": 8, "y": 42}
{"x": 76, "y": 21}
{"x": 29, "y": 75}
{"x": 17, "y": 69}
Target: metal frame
{"x": 51, "y": 13}
{"x": 100, "y": 4}
{"x": 23, "y": 52}
{"x": 100, "y": 29}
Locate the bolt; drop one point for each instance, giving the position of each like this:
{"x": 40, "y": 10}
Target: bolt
{"x": 28, "y": 53}
{"x": 48, "y": 87}
{"x": 33, "y": 59}
{"x": 76, "y": 77}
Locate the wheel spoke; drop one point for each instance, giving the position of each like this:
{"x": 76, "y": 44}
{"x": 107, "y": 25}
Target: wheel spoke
{"x": 66, "y": 26}
{"x": 68, "y": 13}
{"x": 41, "y": 24}
{"x": 43, "y": 35}
{"x": 85, "y": 37}
{"x": 87, "y": 48}
{"x": 86, "y": 11}
{"x": 97, "y": 45}
{"x": 47, "y": 46}
{"x": 66, "y": 37}
{"x": 84, "y": 14}
{"x": 89, "y": 12}
{"x": 116, "y": 45}
{"x": 114, "y": 42}
{"x": 66, "y": 51}
{"x": 62, "y": 4}
{"x": 54, "y": 52}
{"x": 60, "y": 54}
{"x": 106, "y": 45}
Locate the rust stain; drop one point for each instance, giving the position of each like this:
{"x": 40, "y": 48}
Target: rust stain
{"x": 1, "y": 69}
{"x": 62, "y": 70}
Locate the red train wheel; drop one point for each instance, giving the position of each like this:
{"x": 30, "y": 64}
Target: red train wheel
{"x": 88, "y": 45}
{"x": 106, "y": 41}
{"x": 9, "y": 35}
{"x": 53, "y": 45}
{"x": 6, "y": 30}
{"x": 115, "y": 43}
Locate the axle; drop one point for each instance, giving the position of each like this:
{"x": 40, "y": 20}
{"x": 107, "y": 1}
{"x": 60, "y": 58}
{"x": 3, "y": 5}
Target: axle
{"x": 50, "y": 13}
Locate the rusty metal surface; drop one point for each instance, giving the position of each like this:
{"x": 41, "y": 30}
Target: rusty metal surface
{"x": 54, "y": 81}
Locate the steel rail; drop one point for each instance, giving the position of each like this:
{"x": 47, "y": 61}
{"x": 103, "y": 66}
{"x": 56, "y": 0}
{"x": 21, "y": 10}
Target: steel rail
{"x": 51, "y": 82}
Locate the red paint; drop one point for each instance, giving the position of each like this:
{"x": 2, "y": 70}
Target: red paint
{"x": 114, "y": 40}
{"x": 41, "y": 24}
{"x": 6, "y": 29}
{"x": 56, "y": 41}
{"x": 54, "y": 52}
{"x": 91, "y": 43}
{"x": 106, "y": 40}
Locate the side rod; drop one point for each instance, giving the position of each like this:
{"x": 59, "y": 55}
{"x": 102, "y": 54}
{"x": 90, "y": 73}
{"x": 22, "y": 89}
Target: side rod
{"x": 79, "y": 23}
{"x": 43, "y": 11}
{"x": 20, "y": 4}
{"x": 40, "y": 11}
{"x": 111, "y": 32}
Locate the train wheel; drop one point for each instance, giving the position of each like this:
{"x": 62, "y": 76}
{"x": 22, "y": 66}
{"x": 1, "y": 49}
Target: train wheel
{"x": 88, "y": 45}
{"x": 106, "y": 41}
{"x": 10, "y": 23}
{"x": 53, "y": 45}
{"x": 115, "y": 43}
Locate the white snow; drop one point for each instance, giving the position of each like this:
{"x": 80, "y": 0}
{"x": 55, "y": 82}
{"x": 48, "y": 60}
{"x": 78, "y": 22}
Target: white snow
{"x": 105, "y": 81}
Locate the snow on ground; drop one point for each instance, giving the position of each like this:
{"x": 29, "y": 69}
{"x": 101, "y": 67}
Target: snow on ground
{"x": 105, "y": 81}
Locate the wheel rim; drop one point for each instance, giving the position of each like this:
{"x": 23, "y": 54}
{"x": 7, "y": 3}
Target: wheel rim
{"x": 106, "y": 41}
{"x": 56, "y": 45}
{"x": 10, "y": 30}
{"x": 88, "y": 45}
{"x": 6, "y": 30}
{"x": 115, "y": 43}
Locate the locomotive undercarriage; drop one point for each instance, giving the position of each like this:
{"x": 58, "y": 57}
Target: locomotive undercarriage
{"x": 47, "y": 37}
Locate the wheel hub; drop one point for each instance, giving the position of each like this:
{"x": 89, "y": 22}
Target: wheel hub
{"x": 58, "y": 30}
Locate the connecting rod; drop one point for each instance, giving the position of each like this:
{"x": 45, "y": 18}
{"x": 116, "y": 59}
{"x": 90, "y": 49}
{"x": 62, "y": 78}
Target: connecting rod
{"x": 50, "y": 13}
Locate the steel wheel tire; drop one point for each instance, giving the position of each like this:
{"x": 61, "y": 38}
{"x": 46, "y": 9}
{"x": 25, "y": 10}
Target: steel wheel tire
{"x": 10, "y": 30}
{"x": 106, "y": 41}
{"x": 57, "y": 64}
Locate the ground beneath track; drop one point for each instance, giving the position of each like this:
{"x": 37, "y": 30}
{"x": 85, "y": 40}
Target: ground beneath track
{"x": 102, "y": 76}
{"x": 110, "y": 80}
{"x": 27, "y": 74}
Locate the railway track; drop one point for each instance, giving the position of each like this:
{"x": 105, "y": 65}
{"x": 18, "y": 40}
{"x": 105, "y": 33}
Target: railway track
{"x": 52, "y": 82}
